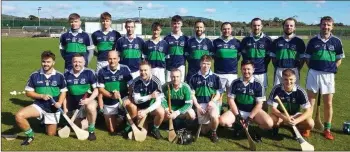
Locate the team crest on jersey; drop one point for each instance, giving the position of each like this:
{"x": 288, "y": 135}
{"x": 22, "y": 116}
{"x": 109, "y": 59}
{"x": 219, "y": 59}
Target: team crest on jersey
{"x": 331, "y": 47}
{"x": 293, "y": 47}
{"x": 293, "y": 100}
{"x": 136, "y": 46}
{"x": 82, "y": 81}
{"x": 210, "y": 84}
{"x": 54, "y": 83}
{"x": 232, "y": 47}
{"x": 120, "y": 77}
{"x": 161, "y": 49}
{"x": 182, "y": 43}
{"x": 111, "y": 38}
{"x": 251, "y": 92}
{"x": 205, "y": 47}
{"x": 261, "y": 46}
{"x": 80, "y": 40}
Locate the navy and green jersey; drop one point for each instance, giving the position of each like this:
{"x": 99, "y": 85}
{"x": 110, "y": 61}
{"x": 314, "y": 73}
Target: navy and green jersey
{"x": 180, "y": 98}
{"x": 247, "y": 95}
{"x": 205, "y": 86}
{"x": 131, "y": 52}
{"x": 78, "y": 85}
{"x": 226, "y": 55}
{"x": 323, "y": 54}
{"x": 52, "y": 85}
{"x": 155, "y": 53}
{"x": 292, "y": 101}
{"x": 257, "y": 50}
{"x": 143, "y": 88}
{"x": 288, "y": 53}
{"x": 104, "y": 42}
{"x": 72, "y": 43}
{"x": 114, "y": 81}
{"x": 176, "y": 51}
{"x": 196, "y": 48}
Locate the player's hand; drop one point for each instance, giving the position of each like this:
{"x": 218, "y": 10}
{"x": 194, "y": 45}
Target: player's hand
{"x": 65, "y": 110}
{"x": 154, "y": 94}
{"x": 116, "y": 95}
{"x": 57, "y": 105}
{"x": 292, "y": 122}
{"x": 174, "y": 114}
{"x": 84, "y": 101}
{"x": 201, "y": 110}
{"x": 45, "y": 97}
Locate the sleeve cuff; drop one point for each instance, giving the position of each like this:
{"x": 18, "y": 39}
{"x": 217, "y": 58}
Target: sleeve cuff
{"x": 28, "y": 88}
{"x": 91, "y": 47}
{"x": 272, "y": 54}
{"x": 64, "y": 89}
{"x": 94, "y": 85}
{"x": 272, "y": 103}
{"x": 340, "y": 56}
{"x": 260, "y": 99}
{"x": 100, "y": 85}
{"x": 306, "y": 105}
{"x": 231, "y": 95}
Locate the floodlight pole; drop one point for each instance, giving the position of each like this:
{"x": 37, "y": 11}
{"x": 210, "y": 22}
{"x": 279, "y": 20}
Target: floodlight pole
{"x": 140, "y": 8}
{"x": 39, "y": 8}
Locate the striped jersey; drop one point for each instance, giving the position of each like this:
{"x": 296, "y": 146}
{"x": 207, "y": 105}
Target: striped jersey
{"x": 323, "y": 54}
{"x": 257, "y": 50}
{"x": 104, "y": 42}
{"x": 180, "y": 98}
{"x": 226, "y": 55}
{"x": 130, "y": 52}
{"x": 155, "y": 53}
{"x": 71, "y": 43}
{"x": 196, "y": 48}
{"x": 288, "y": 53}
{"x": 78, "y": 85}
{"x": 176, "y": 51}
{"x": 142, "y": 88}
{"x": 205, "y": 86}
{"x": 292, "y": 101}
{"x": 52, "y": 85}
{"x": 247, "y": 95}
{"x": 114, "y": 80}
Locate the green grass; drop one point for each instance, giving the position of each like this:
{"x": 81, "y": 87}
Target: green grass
{"x": 21, "y": 56}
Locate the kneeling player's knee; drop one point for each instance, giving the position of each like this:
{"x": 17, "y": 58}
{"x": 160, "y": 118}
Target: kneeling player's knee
{"x": 19, "y": 116}
{"x": 91, "y": 107}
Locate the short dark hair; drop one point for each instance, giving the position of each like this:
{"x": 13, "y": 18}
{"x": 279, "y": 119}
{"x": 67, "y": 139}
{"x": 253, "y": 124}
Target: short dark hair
{"x": 129, "y": 21}
{"x": 255, "y": 19}
{"x": 78, "y": 55}
{"x": 105, "y": 16}
{"x": 246, "y": 62}
{"x": 289, "y": 19}
{"x": 326, "y": 18}
{"x": 144, "y": 62}
{"x": 288, "y": 72}
{"x": 73, "y": 16}
{"x": 156, "y": 24}
{"x": 48, "y": 54}
{"x": 206, "y": 58}
{"x": 199, "y": 21}
{"x": 176, "y": 70}
{"x": 176, "y": 18}
{"x": 225, "y": 23}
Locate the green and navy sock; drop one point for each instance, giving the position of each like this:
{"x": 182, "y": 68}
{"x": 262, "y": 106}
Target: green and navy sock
{"x": 91, "y": 128}
{"x": 327, "y": 126}
{"x": 29, "y": 133}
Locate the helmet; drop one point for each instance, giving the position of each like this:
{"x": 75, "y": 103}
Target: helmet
{"x": 184, "y": 137}
{"x": 346, "y": 127}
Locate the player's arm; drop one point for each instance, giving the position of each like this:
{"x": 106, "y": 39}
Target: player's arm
{"x": 219, "y": 90}
{"x": 63, "y": 91}
{"x": 301, "y": 51}
{"x": 268, "y": 48}
{"x": 188, "y": 101}
{"x": 90, "y": 47}
{"x": 259, "y": 98}
{"x": 165, "y": 91}
{"x": 304, "y": 104}
{"x": 339, "y": 53}
{"x": 273, "y": 52}
{"x": 274, "y": 104}
{"x": 231, "y": 102}
{"x": 158, "y": 98}
{"x": 309, "y": 50}
{"x": 62, "y": 45}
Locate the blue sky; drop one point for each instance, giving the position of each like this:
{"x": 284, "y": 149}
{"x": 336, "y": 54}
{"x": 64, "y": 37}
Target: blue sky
{"x": 306, "y": 11}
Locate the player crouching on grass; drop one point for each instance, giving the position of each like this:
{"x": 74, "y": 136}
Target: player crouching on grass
{"x": 112, "y": 84}
{"x": 146, "y": 98}
{"x": 246, "y": 97}
{"x": 79, "y": 80}
{"x": 180, "y": 96}
{"x": 293, "y": 97}
{"x": 43, "y": 85}
{"x": 205, "y": 84}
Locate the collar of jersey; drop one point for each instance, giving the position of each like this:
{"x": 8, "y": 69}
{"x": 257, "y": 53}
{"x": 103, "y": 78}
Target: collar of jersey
{"x": 79, "y": 30}
{"x": 174, "y": 87}
{"x": 206, "y": 75}
{"x": 293, "y": 90}
{"x": 52, "y": 73}
{"x": 250, "y": 81}
{"x": 199, "y": 39}
{"x": 160, "y": 39}
{"x": 293, "y": 35}
{"x": 134, "y": 36}
{"x": 118, "y": 68}
{"x": 172, "y": 34}
{"x": 229, "y": 38}
{"x": 261, "y": 36}
{"x": 146, "y": 82}
{"x": 109, "y": 30}
{"x": 72, "y": 72}
{"x": 323, "y": 40}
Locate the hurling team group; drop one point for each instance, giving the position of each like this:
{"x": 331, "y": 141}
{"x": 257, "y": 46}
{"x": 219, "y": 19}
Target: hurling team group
{"x": 139, "y": 77}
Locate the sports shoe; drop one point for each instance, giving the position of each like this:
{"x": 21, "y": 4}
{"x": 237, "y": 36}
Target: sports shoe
{"x": 214, "y": 137}
{"x": 92, "y": 136}
{"x": 275, "y": 131}
{"x": 328, "y": 135}
{"x": 305, "y": 133}
{"x": 27, "y": 141}
{"x": 257, "y": 138}
{"x": 155, "y": 133}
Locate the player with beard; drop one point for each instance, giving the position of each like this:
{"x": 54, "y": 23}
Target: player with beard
{"x": 287, "y": 51}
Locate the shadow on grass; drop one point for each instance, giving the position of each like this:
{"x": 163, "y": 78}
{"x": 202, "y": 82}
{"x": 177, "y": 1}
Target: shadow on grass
{"x": 20, "y": 102}
{"x": 9, "y": 119}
